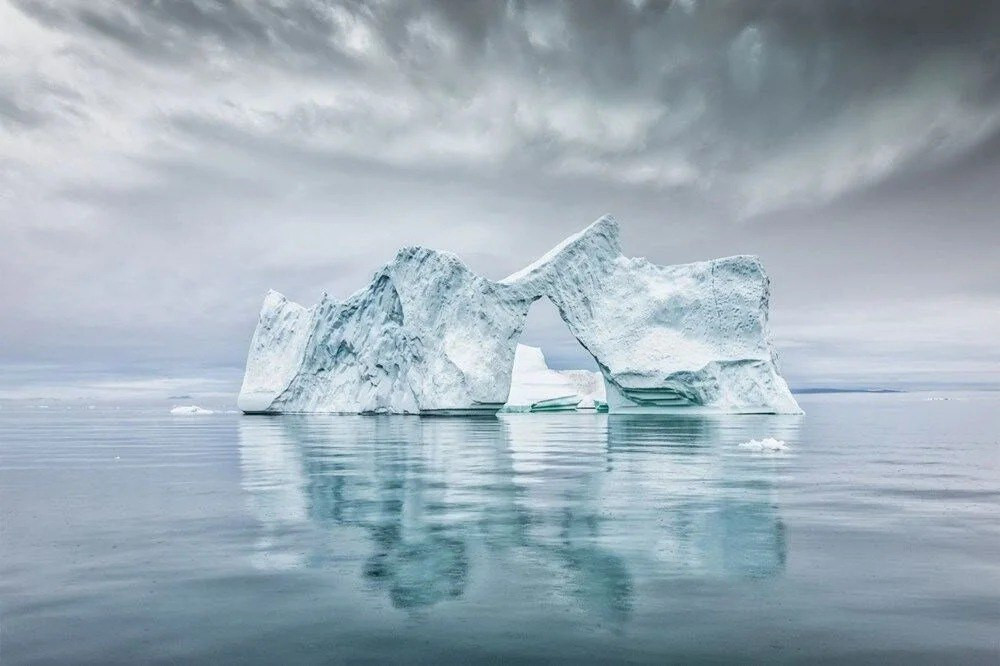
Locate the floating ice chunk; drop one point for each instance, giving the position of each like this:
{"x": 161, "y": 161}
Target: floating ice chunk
{"x": 536, "y": 387}
{"x": 190, "y": 410}
{"x": 532, "y": 381}
{"x": 766, "y": 444}
{"x": 566, "y": 403}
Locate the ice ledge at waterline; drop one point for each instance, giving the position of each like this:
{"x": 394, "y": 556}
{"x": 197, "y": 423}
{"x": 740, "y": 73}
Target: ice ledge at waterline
{"x": 429, "y": 336}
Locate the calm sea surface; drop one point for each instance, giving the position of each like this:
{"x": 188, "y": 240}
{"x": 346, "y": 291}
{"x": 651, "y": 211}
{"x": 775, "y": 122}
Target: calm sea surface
{"x": 133, "y": 536}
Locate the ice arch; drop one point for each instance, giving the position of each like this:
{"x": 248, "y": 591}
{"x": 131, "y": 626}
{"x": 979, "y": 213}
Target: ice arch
{"x": 562, "y": 378}
{"x": 430, "y": 336}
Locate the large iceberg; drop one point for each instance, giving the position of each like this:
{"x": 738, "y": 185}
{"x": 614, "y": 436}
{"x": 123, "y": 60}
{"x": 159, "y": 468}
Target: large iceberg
{"x": 429, "y": 336}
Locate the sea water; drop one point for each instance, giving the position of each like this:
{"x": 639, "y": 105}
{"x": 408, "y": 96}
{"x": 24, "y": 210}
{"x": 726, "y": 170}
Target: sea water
{"x": 870, "y": 534}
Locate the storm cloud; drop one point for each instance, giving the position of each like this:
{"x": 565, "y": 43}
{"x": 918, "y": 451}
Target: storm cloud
{"x": 163, "y": 163}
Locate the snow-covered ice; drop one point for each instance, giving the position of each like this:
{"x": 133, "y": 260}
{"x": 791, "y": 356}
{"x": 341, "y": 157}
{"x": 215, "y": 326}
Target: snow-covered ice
{"x": 428, "y": 335}
{"x": 190, "y": 410}
{"x": 766, "y": 444}
{"x": 533, "y": 381}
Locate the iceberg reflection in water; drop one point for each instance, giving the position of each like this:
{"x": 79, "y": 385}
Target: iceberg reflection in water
{"x": 582, "y": 506}
{"x": 869, "y": 536}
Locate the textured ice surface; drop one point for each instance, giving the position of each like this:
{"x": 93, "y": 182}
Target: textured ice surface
{"x": 190, "y": 410}
{"x": 589, "y": 386}
{"x": 428, "y": 335}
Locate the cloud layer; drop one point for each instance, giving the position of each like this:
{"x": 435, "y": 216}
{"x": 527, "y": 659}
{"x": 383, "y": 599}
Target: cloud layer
{"x": 163, "y": 162}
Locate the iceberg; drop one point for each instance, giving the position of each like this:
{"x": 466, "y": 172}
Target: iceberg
{"x": 426, "y": 336}
{"x": 190, "y": 410}
{"x": 536, "y": 387}
{"x": 429, "y": 336}
{"x": 533, "y": 382}
{"x": 589, "y": 386}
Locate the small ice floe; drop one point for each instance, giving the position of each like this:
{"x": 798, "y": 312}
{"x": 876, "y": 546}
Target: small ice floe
{"x": 190, "y": 410}
{"x": 766, "y": 444}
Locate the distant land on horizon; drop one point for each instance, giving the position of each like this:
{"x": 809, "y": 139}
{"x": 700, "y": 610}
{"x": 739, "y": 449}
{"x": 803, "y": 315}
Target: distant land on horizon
{"x": 821, "y": 389}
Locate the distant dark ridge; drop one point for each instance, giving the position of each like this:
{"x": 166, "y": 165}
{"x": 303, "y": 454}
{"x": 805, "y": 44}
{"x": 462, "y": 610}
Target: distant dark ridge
{"x": 803, "y": 391}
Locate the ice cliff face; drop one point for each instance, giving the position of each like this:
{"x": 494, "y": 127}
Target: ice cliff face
{"x": 426, "y": 335}
{"x": 429, "y": 336}
{"x": 275, "y": 351}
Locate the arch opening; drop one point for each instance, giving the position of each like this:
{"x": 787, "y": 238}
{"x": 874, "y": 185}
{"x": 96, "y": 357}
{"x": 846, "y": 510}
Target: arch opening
{"x": 552, "y": 371}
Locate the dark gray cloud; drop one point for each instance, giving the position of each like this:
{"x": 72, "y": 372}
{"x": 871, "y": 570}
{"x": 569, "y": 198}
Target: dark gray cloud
{"x": 162, "y": 163}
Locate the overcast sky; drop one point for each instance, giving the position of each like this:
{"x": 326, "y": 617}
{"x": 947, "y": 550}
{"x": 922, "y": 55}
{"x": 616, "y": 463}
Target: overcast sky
{"x": 162, "y": 164}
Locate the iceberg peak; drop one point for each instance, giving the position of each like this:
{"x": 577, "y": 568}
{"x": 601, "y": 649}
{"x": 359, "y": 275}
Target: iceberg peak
{"x": 600, "y": 236}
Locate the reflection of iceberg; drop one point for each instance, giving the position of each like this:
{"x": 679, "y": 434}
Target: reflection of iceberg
{"x": 354, "y": 472}
{"x": 568, "y": 524}
{"x": 720, "y": 514}
{"x": 744, "y": 537}
{"x": 598, "y": 578}
{"x": 586, "y": 504}
{"x": 274, "y": 481}
{"x": 420, "y": 573}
